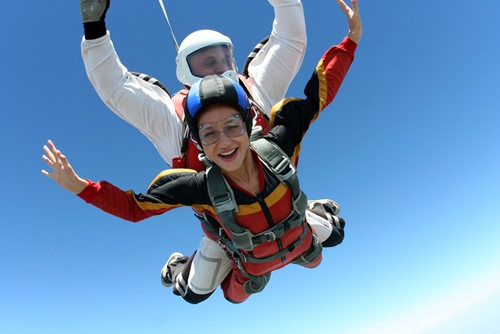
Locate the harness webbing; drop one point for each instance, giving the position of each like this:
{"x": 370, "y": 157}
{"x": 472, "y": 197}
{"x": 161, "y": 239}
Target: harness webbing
{"x": 254, "y": 53}
{"x": 222, "y": 198}
{"x": 151, "y": 80}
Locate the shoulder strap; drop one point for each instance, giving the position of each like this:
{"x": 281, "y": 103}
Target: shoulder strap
{"x": 151, "y": 80}
{"x": 244, "y": 75}
{"x": 177, "y": 99}
{"x": 277, "y": 161}
{"x": 283, "y": 168}
{"x": 252, "y": 55}
{"x": 222, "y": 196}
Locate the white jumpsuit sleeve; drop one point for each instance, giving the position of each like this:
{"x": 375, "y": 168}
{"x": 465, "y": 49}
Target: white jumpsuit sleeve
{"x": 145, "y": 106}
{"x": 275, "y": 66}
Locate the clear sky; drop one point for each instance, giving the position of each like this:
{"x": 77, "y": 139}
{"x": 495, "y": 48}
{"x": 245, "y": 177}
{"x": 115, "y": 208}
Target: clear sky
{"x": 409, "y": 149}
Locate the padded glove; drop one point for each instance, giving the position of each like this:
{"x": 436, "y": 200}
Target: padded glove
{"x": 93, "y": 15}
{"x": 93, "y": 10}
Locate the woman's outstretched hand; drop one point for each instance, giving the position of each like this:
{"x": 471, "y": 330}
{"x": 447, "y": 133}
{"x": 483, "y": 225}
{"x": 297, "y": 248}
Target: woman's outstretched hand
{"x": 62, "y": 172}
{"x": 353, "y": 19}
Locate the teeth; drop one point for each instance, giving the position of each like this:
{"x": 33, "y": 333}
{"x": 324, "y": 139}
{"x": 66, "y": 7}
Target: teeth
{"x": 228, "y": 153}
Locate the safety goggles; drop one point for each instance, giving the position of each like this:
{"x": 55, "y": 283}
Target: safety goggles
{"x": 232, "y": 126}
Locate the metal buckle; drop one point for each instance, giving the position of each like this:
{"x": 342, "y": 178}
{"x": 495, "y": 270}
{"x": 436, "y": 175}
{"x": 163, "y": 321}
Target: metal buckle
{"x": 270, "y": 236}
{"x": 237, "y": 262}
{"x": 221, "y": 199}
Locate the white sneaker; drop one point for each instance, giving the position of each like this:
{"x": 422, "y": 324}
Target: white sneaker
{"x": 166, "y": 280}
{"x": 325, "y": 205}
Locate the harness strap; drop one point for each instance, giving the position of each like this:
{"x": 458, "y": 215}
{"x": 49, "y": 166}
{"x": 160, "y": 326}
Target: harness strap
{"x": 212, "y": 226}
{"x": 254, "y": 53}
{"x": 254, "y": 106}
{"x": 151, "y": 80}
{"x": 222, "y": 197}
{"x": 221, "y": 194}
{"x": 278, "y": 162}
{"x": 312, "y": 254}
{"x": 240, "y": 257}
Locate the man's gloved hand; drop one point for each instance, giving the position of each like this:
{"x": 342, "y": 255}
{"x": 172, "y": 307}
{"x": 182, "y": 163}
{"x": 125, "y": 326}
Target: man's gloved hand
{"x": 93, "y": 10}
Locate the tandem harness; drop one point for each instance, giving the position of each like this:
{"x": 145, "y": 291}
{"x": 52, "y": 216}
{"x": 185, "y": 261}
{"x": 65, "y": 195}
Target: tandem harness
{"x": 222, "y": 199}
{"x": 182, "y": 161}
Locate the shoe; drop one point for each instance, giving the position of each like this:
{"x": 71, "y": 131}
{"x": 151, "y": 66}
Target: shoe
{"x": 338, "y": 222}
{"x": 166, "y": 280}
{"x": 325, "y": 205}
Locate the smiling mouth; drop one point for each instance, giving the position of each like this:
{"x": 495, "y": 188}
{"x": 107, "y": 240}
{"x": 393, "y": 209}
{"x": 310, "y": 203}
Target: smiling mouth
{"x": 228, "y": 154}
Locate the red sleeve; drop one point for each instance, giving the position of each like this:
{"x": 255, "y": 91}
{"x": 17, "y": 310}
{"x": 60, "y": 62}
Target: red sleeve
{"x": 296, "y": 115}
{"x": 90, "y": 192}
{"x": 332, "y": 69}
{"x": 348, "y": 45}
{"x": 119, "y": 203}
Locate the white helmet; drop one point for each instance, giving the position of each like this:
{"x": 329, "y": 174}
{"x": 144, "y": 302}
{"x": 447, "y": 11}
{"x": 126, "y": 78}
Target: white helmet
{"x": 194, "y": 42}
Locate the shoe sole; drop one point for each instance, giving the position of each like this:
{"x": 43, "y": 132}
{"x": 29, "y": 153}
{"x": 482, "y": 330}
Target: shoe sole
{"x": 312, "y": 204}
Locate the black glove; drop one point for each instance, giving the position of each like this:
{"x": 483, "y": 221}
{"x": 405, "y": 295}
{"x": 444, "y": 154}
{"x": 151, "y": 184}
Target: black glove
{"x": 93, "y": 14}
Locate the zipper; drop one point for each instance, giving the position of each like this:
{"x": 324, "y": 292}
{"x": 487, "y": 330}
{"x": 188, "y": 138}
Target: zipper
{"x": 269, "y": 219}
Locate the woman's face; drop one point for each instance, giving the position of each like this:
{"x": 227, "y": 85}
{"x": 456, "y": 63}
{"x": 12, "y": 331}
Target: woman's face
{"x": 228, "y": 152}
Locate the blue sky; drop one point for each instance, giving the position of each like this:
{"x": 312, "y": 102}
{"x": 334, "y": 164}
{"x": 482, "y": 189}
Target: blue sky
{"x": 409, "y": 149}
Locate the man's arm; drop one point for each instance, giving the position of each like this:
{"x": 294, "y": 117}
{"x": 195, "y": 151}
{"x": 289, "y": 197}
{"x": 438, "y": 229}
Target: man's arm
{"x": 145, "y": 106}
{"x": 275, "y": 66}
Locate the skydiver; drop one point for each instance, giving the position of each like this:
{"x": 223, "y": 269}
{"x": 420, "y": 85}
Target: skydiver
{"x": 273, "y": 221}
{"x": 150, "y": 109}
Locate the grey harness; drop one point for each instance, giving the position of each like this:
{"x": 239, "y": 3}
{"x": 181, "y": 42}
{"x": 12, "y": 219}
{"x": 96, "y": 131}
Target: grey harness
{"x": 223, "y": 201}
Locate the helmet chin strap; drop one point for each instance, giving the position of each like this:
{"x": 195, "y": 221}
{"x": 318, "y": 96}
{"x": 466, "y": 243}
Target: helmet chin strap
{"x": 169, "y": 25}
{"x": 231, "y": 75}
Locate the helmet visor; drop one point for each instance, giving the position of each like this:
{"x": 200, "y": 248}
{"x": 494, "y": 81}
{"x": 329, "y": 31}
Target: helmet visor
{"x": 213, "y": 59}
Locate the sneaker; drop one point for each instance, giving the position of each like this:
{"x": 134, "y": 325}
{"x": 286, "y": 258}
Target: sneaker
{"x": 166, "y": 280}
{"x": 325, "y": 205}
{"x": 338, "y": 222}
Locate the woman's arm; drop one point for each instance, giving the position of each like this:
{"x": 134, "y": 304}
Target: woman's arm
{"x": 353, "y": 19}
{"x": 171, "y": 189}
{"x": 291, "y": 117}
{"x": 62, "y": 172}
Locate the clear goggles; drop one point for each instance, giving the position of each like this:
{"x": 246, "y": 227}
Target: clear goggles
{"x": 232, "y": 126}
{"x": 212, "y": 59}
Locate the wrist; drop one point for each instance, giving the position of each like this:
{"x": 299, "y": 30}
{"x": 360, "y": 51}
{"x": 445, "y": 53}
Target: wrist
{"x": 78, "y": 186}
{"x": 94, "y": 30}
{"x": 354, "y": 36}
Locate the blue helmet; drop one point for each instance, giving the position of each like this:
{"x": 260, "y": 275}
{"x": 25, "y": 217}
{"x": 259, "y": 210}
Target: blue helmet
{"x": 214, "y": 89}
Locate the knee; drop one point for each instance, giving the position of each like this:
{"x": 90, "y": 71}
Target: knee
{"x": 231, "y": 301}
{"x": 194, "y": 298}
{"x": 335, "y": 238}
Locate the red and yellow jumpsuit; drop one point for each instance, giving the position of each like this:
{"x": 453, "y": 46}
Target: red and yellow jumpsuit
{"x": 290, "y": 120}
